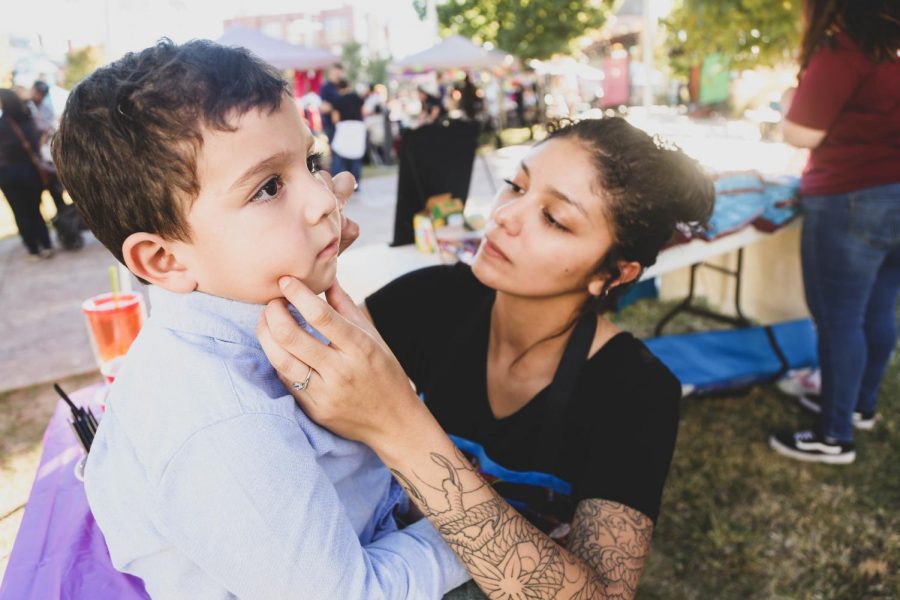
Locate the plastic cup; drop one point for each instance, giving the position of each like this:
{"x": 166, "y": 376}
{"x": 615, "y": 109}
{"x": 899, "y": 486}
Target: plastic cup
{"x": 112, "y": 324}
{"x": 111, "y": 369}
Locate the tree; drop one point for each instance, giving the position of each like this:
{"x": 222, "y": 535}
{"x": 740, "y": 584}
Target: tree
{"x": 526, "y": 28}
{"x": 378, "y": 70}
{"x": 749, "y": 33}
{"x": 352, "y": 61}
{"x": 81, "y": 62}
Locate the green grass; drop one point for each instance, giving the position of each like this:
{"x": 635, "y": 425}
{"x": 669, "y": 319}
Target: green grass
{"x": 739, "y": 521}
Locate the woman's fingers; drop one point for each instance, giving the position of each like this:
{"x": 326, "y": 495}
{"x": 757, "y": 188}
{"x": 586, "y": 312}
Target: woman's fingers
{"x": 288, "y": 334}
{"x": 349, "y": 233}
{"x": 343, "y": 185}
{"x": 319, "y": 315}
{"x": 340, "y": 301}
{"x": 289, "y": 368}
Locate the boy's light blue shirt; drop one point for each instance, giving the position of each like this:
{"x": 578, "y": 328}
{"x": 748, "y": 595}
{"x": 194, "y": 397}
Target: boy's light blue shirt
{"x": 208, "y": 482}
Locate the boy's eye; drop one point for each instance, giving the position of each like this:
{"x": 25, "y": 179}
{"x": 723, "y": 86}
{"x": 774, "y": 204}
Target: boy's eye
{"x": 269, "y": 189}
{"x": 314, "y": 162}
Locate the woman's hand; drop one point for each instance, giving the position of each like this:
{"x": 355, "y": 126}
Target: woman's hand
{"x": 357, "y": 388}
{"x": 342, "y": 186}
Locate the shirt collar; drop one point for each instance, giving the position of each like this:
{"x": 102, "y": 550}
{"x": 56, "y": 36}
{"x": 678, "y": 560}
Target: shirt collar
{"x": 203, "y": 314}
{"x": 212, "y": 316}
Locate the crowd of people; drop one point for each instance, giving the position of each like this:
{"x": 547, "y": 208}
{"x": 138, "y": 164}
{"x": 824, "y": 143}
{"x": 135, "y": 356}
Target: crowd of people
{"x": 362, "y": 124}
{"x": 531, "y": 457}
{"x": 28, "y": 120}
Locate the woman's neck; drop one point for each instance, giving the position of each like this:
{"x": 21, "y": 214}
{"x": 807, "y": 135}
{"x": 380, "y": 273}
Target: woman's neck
{"x": 519, "y": 325}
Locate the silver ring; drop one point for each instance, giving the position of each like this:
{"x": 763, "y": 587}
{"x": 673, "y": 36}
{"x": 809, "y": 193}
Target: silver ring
{"x": 302, "y": 385}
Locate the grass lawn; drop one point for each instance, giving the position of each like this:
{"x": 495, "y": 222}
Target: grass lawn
{"x": 739, "y": 521}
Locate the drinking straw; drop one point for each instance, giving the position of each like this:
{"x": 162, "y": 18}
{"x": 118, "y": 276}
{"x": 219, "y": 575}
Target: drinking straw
{"x": 92, "y": 420}
{"x": 114, "y": 284}
{"x": 65, "y": 397}
{"x": 81, "y": 435}
{"x": 83, "y": 422}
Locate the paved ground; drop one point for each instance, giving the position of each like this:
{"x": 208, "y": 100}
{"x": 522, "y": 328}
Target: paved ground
{"x": 42, "y": 332}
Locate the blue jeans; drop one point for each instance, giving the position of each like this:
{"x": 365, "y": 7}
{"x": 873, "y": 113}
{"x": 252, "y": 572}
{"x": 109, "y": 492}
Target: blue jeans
{"x": 340, "y": 164}
{"x": 850, "y": 252}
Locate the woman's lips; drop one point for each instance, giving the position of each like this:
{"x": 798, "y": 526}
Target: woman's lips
{"x": 493, "y": 251}
{"x": 329, "y": 250}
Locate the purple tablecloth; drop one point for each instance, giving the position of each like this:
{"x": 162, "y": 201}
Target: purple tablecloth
{"x": 59, "y": 551}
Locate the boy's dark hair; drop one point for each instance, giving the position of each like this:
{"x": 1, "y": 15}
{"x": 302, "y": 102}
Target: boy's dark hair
{"x": 650, "y": 187}
{"x": 130, "y": 134}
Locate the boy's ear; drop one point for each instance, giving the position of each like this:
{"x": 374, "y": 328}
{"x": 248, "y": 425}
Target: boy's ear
{"x": 150, "y": 257}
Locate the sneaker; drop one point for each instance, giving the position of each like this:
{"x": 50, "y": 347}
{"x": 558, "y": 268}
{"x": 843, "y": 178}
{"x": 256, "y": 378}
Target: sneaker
{"x": 46, "y": 253}
{"x": 808, "y": 446}
{"x": 861, "y": 420}
{"x": 801, "y": 381}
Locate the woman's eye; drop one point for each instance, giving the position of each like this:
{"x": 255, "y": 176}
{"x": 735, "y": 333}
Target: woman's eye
{"x": 269, "y": 190}
{"x": 314, "y": 162}
{"x": 513, "y": 186}
{"x": 553, "y": 222}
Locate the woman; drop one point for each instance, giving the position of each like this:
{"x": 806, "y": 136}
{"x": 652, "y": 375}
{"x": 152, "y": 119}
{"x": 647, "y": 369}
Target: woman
{"x": 432, "y": 107}
{"x": 847, "y": 110}
{"x": 19, "y": 179}
{"x": 572, "y": 420}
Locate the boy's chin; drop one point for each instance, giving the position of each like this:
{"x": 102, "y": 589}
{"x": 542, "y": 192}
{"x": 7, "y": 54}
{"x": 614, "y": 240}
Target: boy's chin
{"x": 319, "y": 282}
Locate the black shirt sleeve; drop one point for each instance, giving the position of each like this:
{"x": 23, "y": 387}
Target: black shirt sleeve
{"x": 628, "y": 457}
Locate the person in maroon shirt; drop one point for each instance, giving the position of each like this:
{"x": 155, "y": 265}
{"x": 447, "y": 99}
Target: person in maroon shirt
{"x": 846, "y": 109}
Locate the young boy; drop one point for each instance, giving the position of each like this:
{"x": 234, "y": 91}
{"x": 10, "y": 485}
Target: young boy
{"x": 193, "y": 166}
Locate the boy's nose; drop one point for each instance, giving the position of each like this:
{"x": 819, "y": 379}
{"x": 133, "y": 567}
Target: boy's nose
{"x": 320, "y": 203}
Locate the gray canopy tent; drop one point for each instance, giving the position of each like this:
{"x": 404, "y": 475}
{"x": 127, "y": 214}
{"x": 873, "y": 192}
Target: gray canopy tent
{"x": 278, "y": 53}
{"x": 454, "y": 52}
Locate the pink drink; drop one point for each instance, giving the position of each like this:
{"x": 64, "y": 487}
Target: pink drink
{"x": 113, "y": 324}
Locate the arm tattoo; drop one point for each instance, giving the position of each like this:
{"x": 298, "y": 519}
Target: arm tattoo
{"x": 613, "y": 539}
{"x": 508, "y": 557}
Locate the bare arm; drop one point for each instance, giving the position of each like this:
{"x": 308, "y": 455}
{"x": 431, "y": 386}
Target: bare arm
{"x": 614, "y": 540}
{"x": 794, "y": 134}
{"x": 506, "y": 555}
{"x": 358, "y": 390}
{"x": 800, "y": 136}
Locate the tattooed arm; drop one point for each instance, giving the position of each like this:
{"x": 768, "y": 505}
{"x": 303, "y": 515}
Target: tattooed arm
{"x": 614, "y": 539}
{"x": 358, "y": 390}
{"x": 505, "y": 554}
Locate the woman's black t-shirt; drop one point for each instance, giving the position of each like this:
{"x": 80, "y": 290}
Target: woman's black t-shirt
{"x": 619, "y": 430}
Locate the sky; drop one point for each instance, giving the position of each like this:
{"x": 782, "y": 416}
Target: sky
{"x": 126, "y": 25}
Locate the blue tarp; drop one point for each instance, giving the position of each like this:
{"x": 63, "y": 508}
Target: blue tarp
{"x": 716, "y": 361}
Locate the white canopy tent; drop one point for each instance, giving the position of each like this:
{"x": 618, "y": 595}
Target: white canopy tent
{"x": 454, "y": 52}
{"x": 278, "y": 53}
{"x": 567, "y": 67}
